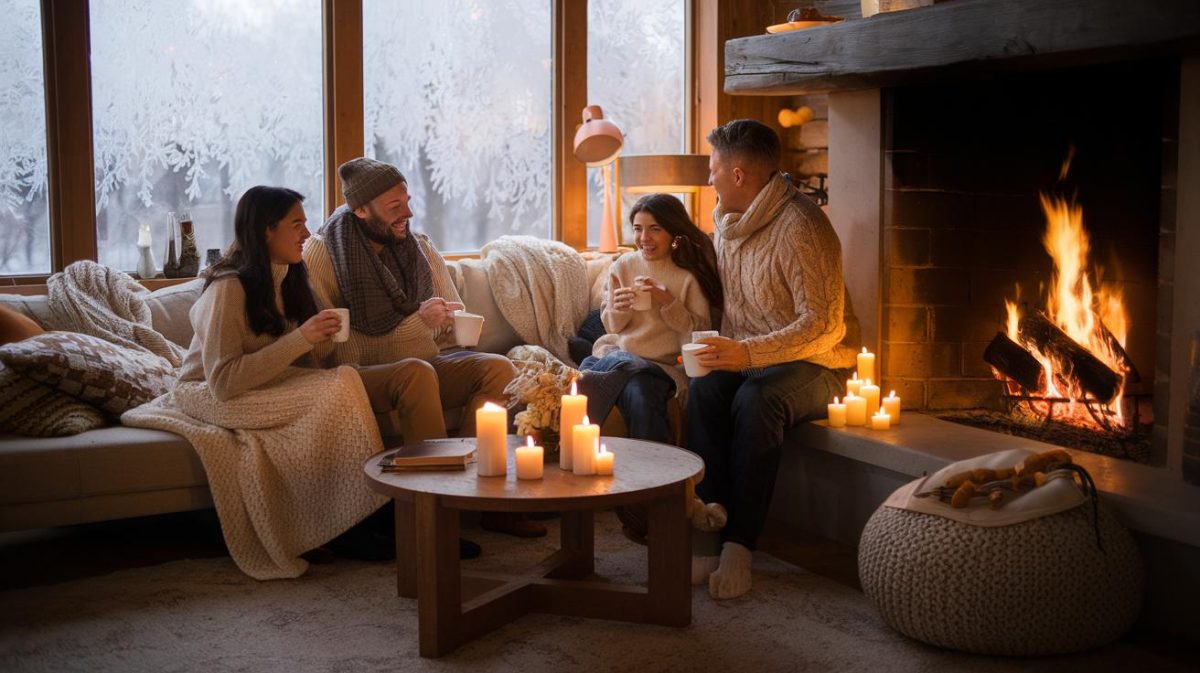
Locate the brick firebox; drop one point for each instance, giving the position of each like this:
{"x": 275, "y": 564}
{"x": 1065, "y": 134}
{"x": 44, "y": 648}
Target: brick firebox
{"x": 962, "y": 225}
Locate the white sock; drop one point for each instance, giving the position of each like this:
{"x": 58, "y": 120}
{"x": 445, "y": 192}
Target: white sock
{"x": 708, "y": 518}
{"x": 705, "y": 555}
{"x": 732, "y": 577}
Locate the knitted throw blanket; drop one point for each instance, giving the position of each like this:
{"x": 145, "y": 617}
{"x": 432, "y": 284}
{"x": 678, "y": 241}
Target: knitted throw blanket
{"x": 540, "y": 288}
{"x": 103, "y": 302}
{"x": 377, "y": 300}
{"x": 288, "y": 476}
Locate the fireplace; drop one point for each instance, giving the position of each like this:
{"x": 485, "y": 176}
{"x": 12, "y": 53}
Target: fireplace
{"x": 974, "y": 174}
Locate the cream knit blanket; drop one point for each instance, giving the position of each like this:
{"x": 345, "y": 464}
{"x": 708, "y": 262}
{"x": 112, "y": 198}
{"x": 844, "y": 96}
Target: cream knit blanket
{"x": 103, "y": 302}
{"x": 540, "y": 288}
{"x": 290, "y": 478}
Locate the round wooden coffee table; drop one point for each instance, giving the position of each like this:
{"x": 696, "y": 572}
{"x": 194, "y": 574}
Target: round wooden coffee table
{"x": 454, "y": 606}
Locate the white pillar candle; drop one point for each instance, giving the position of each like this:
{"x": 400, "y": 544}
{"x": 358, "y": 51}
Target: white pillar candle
{"x": 880, "y": 420}
{"x": 891, "y": 404}
{"x": 866, "y": 365}
{"x": 856, "y": 410}
{"x": 604, "y": 460}
{"x": 574, "y": 408}
{"x": 491, "y": 440}
{"x": 853, "y": 385}
{"x": 529, "y": 460}
{"x": 871, "y": 392}
{"x": 584, "y": 439}
{"x": 837, "y": 414}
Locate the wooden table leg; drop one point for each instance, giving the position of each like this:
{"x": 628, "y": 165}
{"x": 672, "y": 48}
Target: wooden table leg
{"x": 670, "y": 547}
{"x": 406, "y": 549}
{"x": 439, "y": 581}
{"x": 578, "y": 540}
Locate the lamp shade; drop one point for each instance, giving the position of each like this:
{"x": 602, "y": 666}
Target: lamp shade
{"x": 598, "y": 141}
{"x": 668, "y": 173}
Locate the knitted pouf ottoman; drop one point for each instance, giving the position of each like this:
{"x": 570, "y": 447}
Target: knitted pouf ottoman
{"x": 1033, "y": 588}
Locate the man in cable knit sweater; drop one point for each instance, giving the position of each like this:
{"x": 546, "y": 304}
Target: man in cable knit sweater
{"x": 399, "y": 293}
{"x": 783, "y": 345}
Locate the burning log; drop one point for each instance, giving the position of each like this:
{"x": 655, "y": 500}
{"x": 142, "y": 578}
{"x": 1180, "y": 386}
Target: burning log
{"x": 1093, "y": 376}
{"x": 1015, "y": 362}
{"x": 1131, "y": 372}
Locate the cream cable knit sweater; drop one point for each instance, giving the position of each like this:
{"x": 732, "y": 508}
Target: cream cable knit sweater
{"x": 282, "y": 446}
{"x": 412, "y": 338}
{"x": 656, "y": 334}
{"x": 781, "y": 265}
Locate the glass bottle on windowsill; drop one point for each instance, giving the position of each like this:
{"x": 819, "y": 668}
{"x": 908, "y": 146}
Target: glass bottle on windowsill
{"x": 189, "y": 256}
{"x": 146, "y": 267}
{"x": 171, "y": 265}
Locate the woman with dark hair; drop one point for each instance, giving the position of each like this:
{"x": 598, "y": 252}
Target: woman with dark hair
{"x": 292, "y": 480}
{"x": 654, "y": 300}
{"x": 634, "y": 366}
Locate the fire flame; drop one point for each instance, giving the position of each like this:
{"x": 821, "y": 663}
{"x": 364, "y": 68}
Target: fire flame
{"x": 1082, "y": 311}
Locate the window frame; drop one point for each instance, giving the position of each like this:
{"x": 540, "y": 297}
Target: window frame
{"x": 69, "y": 142}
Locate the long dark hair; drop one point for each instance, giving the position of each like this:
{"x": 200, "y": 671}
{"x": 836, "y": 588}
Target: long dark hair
{"x": 262, "y": 208}
{"x": 695, "y": 251}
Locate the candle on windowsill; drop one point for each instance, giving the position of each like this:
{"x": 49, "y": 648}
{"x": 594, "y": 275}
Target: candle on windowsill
{"x": 880, "y": 420}
{"x": 574, "y": 408}
{"x": 866, "y": 364}
{"x": 583, "y": 444}
{"x": 854, "y": 385}
{"x": 856, "y": 410}
{"x": 837, "y": 414}
{"x": 491, "y": 440}
{"x": 891, "y": 404}
{"x": 529, "y": 460}
{"x": 604, "y": 461}
{"x": 871, "y": 392}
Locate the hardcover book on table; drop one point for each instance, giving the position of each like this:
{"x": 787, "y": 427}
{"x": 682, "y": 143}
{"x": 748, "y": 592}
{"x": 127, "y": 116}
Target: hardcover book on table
{"x": 431, "y": 454}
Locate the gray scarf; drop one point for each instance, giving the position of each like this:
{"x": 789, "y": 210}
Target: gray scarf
{"x": 381, "y": 290}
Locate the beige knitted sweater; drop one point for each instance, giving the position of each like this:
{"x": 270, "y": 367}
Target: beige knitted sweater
{"x": 412, "y": 338}
{"x": 781, "y": 265}
{"x": 656, "y": 334}
{"x": 282, "y": 446}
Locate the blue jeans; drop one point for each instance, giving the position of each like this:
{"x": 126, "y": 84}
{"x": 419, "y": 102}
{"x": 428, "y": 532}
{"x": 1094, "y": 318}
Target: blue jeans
{"x": 643, "y": 405}
{"x": 736, "y": 422}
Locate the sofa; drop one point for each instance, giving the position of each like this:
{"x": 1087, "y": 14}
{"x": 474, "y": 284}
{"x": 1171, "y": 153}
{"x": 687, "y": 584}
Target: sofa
{"x": 119, "y": 472}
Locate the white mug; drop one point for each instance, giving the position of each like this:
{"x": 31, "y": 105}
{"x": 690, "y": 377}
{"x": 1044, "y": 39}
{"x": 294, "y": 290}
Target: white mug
{"x": 343, "y": 333}
{"x": 467, "y": 328}
{"x": 692, "y": 366}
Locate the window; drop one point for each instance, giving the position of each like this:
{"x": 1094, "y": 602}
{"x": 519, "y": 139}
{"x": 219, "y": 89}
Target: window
{"x": 24, "y": 209}
{"x": 194, "y": 102}
{"x": 637, "y": 72}
{"x": 457, "y": 95}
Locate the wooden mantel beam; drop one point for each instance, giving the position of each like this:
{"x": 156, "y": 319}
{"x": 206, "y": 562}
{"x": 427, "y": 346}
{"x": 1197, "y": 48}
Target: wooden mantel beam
{"x": 956, "y": 37}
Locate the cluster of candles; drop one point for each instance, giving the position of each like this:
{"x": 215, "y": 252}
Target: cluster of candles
{"x": 580, "y": 450}
{"x": 862, "y": 405}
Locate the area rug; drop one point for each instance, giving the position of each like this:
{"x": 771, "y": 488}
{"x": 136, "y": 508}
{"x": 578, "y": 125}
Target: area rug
{"x": 204, "y": 615}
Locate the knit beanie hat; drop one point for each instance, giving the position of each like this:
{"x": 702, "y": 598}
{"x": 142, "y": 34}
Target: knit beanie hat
{"x": 363, "y": 179}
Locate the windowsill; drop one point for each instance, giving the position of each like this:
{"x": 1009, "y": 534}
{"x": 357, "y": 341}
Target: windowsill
{"x": 1152, "y": 500}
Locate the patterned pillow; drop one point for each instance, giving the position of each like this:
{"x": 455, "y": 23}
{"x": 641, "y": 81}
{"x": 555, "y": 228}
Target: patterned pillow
{"x": 110, "y": 377}
{"x": 35, "y": 410}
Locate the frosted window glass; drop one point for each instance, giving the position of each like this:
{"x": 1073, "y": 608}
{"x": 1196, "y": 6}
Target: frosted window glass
{"x": 457, "y": 95}
{"x": 637, "y": 72}
{"x": 24, "y": 212}
{"x": 195, "y": 101}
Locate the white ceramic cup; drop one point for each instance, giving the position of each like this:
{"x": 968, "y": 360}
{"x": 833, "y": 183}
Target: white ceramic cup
{"x": 343, "y": 333}
{"x": 641, "y": 298}
{"x": 467, "y": 328}
{"x": 692, "y": 366}
{"x": 705, "y": 334}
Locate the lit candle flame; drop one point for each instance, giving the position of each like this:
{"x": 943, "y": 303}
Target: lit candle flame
{"x": 574, "y": 390}
{"x": 529, "y": 441}
{"x": 492, "y": 406}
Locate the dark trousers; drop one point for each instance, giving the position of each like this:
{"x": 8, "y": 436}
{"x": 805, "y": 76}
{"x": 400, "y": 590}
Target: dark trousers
{"x": 736, "y": 423}
{"x": 643, "y": 405}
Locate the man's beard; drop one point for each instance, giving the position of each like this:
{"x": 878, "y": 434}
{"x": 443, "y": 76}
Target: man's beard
{"x": 378, "y": 231}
